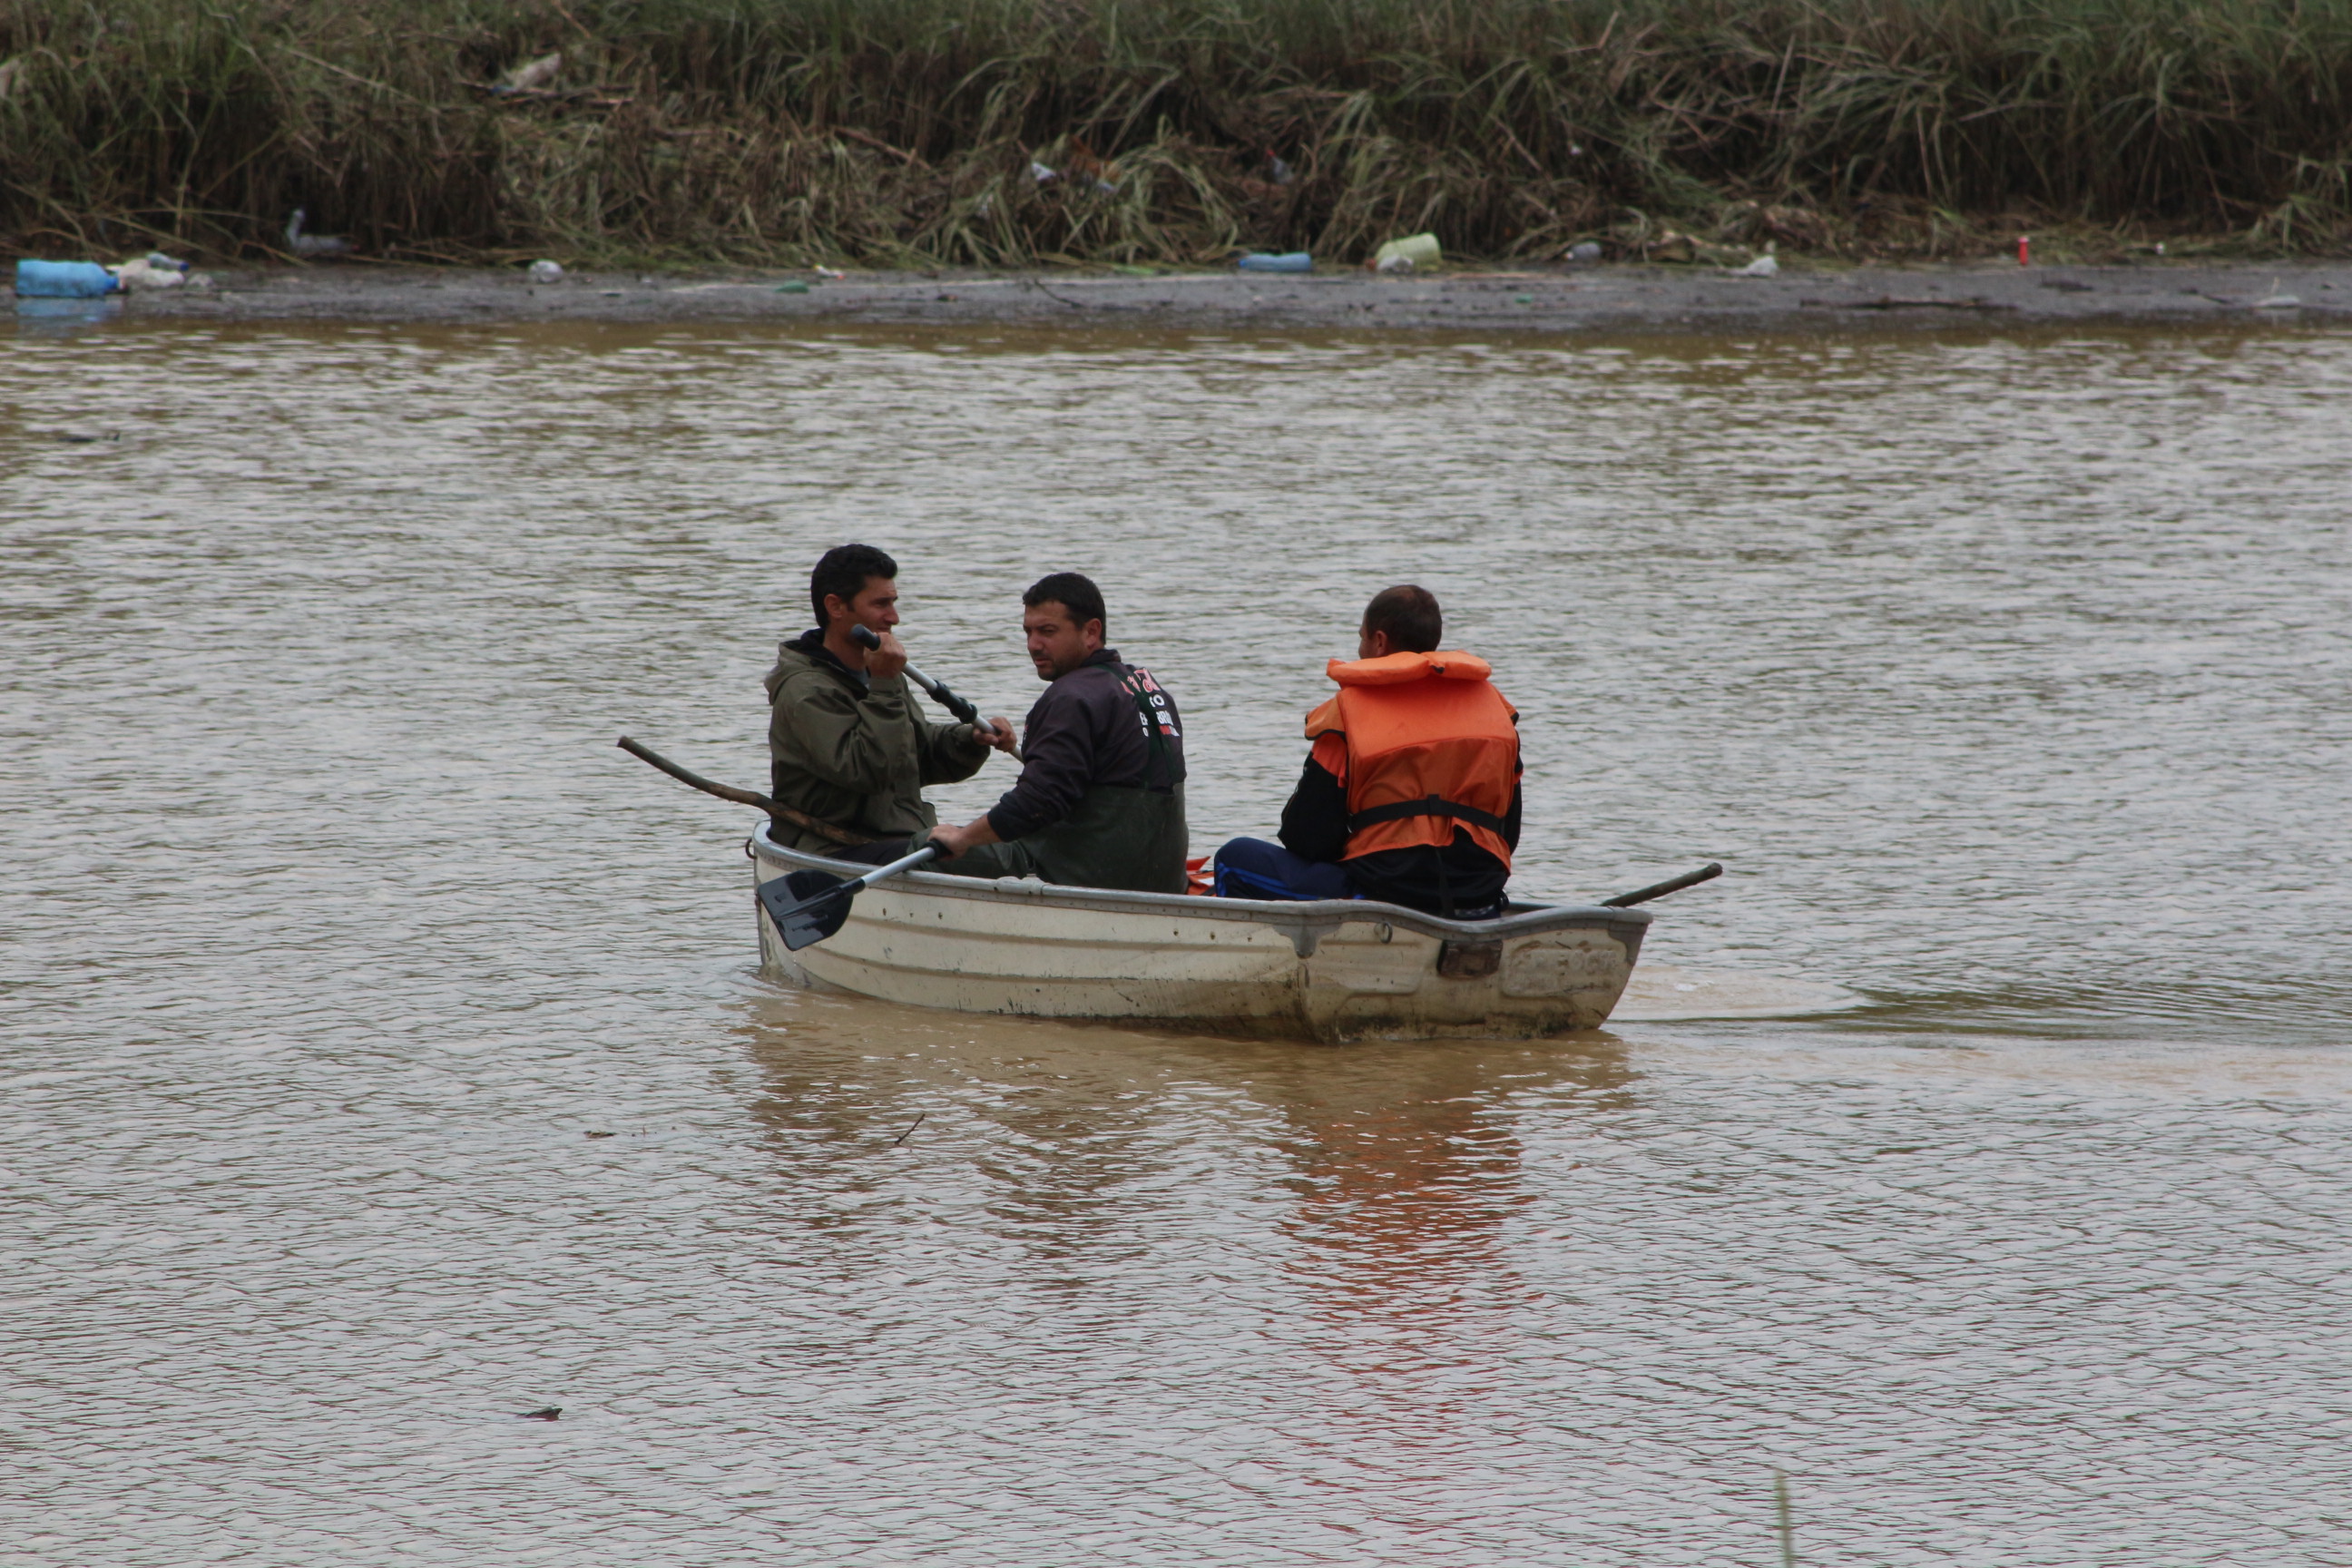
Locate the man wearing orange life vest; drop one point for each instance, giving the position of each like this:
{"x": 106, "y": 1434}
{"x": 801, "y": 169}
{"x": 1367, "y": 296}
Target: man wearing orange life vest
{"x": 1411, "y": 795}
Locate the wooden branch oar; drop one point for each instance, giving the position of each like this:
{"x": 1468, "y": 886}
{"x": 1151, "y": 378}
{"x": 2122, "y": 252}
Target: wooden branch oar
{"x": 1705, "y": 873}
{"x": 808, "y": 906}
{"x": 775, "y": 809}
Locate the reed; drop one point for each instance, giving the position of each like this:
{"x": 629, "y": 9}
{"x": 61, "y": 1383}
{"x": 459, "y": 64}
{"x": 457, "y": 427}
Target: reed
{"x": 904, "y": 130}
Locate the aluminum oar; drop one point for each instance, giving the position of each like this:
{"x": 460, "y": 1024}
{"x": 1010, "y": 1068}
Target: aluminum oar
{"x": 808, "y": 906}
{"x": 961, "y": 708}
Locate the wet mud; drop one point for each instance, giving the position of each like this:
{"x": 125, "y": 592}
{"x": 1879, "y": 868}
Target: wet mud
{"x": 1558, "y": 299}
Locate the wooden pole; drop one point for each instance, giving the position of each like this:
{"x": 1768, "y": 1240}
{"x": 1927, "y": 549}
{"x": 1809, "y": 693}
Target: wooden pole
{"x": 741, "y": 796}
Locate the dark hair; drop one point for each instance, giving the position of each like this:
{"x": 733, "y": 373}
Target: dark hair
{"x": 844, "y": 570}
{"x": 1411, "y": 617}
{"x": 1074, "y": 593}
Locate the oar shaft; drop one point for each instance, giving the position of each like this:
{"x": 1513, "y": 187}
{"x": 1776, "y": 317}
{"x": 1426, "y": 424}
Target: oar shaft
{"x": 961, "y": 707}
{"x": 946, "y": 698}
{"x": 842, "y": 893}
{"x": 1705, "y": 873}
{"x": 929, "y": 851}
{"x": 864, "y": 638}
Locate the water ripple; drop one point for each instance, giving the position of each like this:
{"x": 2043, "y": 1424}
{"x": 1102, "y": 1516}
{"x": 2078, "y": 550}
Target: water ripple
{"x": 383, "y": 1059}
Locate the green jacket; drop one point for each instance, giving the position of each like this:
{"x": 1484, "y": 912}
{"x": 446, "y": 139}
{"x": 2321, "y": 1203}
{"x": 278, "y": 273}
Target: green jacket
{"x": 853, "y": 752}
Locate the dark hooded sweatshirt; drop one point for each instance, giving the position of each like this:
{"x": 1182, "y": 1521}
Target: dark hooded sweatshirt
{"x": 1100, "y": 800}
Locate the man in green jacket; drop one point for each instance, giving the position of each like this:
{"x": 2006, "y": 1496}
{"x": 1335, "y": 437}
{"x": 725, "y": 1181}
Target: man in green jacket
{"x": 847, "y": 743}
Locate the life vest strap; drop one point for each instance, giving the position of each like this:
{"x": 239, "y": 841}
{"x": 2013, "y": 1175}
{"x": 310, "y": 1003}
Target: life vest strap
{"x": 1428, "y": 805}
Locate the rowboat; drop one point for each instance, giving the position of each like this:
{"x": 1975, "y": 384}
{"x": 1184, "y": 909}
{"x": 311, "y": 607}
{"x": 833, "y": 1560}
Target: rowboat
{"x": 1332, "y": 970}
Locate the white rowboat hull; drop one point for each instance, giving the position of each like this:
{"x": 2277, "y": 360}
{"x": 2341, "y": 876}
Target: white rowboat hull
{"x": 1333, "y": 970}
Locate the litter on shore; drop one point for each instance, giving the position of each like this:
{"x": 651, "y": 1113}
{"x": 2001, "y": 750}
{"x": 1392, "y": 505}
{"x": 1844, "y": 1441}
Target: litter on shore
{"x": 1413, "y": 253}
{"x": 64, "y": 281}
{"x": 152, "y": 270}
{"x": 532, "y": 75}
{"x": 312, "y": 246}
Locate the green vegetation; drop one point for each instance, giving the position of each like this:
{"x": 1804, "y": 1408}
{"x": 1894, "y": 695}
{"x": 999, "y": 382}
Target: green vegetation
{"x": 904, "y": 130}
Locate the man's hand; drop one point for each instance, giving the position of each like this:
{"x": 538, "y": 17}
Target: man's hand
{"x": 885, "y": 662}
{"x": 970, "y": 836}
{"x": 998, "y": 733}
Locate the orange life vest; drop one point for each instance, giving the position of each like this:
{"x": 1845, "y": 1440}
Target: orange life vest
{"x": 1423, "y": 744}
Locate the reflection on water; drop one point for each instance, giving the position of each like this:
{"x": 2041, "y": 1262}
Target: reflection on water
{"x": 1408, "y": 1176}
{"x": 1406, "y": 1170}
{"x": 384, "y": 1057}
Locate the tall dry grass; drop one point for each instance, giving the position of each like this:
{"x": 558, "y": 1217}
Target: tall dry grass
{"x": 904, "y": 130}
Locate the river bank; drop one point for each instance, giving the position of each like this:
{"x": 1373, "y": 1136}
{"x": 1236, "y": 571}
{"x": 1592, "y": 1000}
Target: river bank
{"x": 975, "y": 133}
{"x": 1596, "y": 298}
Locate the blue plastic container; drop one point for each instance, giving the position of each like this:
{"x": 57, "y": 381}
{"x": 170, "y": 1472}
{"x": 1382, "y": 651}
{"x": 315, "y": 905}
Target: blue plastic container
{"x": 1293, "y": 261}
{"x": 64, "y": 281}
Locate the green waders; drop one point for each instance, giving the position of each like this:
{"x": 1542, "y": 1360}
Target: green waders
{"x": 1120, "y": 836}
{"x": 1130, "y": 836}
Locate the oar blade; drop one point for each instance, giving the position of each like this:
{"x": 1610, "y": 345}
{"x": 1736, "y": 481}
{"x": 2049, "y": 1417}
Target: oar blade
{"x": 803, "y": 915}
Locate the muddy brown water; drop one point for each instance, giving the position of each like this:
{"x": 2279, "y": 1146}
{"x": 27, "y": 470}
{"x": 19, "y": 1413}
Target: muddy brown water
{"x": 384, "y": 1058}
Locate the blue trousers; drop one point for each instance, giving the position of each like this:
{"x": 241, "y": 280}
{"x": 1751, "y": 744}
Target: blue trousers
{"x": 1254, "y": 869}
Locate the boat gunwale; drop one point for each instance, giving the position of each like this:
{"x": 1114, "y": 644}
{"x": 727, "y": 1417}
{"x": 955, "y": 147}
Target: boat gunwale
{"x": 1294, "y": 919}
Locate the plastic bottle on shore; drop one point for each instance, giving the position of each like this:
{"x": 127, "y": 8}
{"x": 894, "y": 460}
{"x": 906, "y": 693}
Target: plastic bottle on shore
{"x": 1416, "y": 252}
{"x": 1289, "y": 261}
{"x": 63, "y": 281}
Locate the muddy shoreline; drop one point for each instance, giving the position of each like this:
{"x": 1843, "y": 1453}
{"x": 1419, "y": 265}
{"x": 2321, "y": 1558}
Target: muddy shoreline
{"x": 1611, "y": 299}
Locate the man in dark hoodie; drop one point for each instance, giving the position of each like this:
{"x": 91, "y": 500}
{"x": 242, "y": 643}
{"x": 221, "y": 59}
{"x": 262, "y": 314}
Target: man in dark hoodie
{"x": 847, "y": 743}
{"x": 1100, "y": 800}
